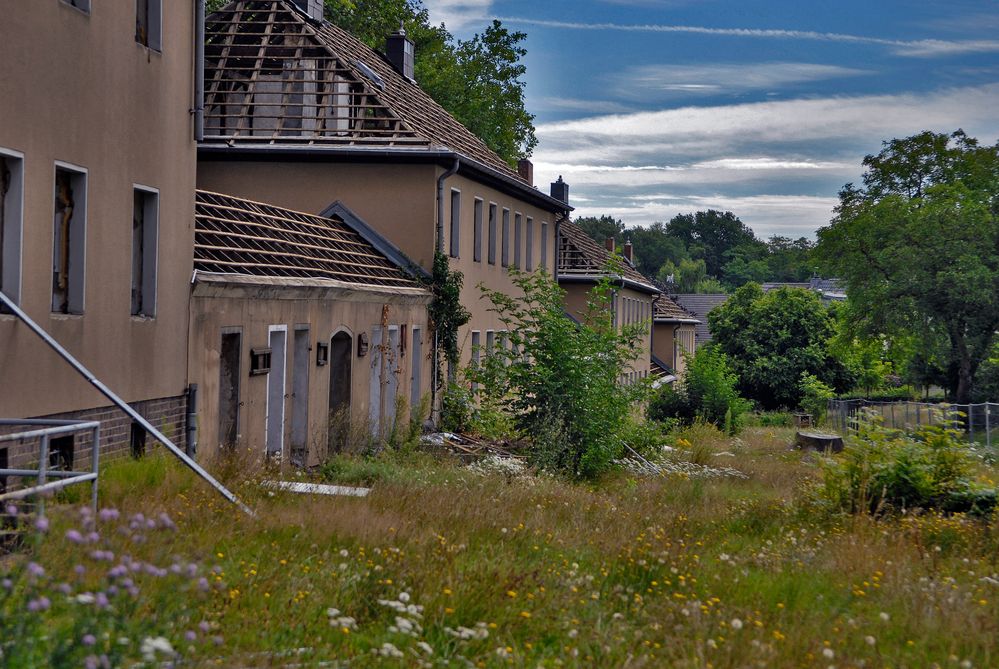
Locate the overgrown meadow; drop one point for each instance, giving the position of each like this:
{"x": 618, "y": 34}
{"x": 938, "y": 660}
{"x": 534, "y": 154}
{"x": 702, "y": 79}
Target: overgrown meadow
{"x": 487, "y": 566}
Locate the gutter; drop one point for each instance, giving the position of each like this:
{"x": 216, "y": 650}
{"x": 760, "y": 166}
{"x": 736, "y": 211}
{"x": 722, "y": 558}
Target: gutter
{"x": 620, "y": 281}
{"x": 199, "y": 70}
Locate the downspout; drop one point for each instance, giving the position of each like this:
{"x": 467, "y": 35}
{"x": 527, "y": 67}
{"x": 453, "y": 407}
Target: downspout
{"x": 199, "y": 70}
{"x": 191, "y": 427}
{"x": 439, "y": 248}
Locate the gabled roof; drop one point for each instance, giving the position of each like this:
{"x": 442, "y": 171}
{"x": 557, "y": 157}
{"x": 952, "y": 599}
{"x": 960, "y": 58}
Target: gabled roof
{"x": 275, "y": 77}
{"x": 581, "y": 258}
{"x": 668, "y": 311}
{"x": 242, "y": 237}
{"x": 700, "y": 305}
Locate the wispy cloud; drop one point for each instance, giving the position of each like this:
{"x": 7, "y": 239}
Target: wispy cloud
{"x": 796, "y": 153}
{"x": 923, "y": 48}
{"x": 645, "y": 81}
{"x": 457, "y": 14}
{"x": 587, "y": 106}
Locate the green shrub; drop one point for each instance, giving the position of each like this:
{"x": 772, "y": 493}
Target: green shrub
{"x": 562, "y": 377}
{"x": 769, "y": 419}
{"x": 884, "y": 471}
{"x": 647, "y": 437}
{"x": 815, "y": 397}
{"x": 706, "y": 392}
{"x": 456, "y": 408}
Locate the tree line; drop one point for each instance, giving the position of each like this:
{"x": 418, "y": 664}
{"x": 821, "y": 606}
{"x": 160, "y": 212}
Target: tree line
{"x": 707, "y": 251}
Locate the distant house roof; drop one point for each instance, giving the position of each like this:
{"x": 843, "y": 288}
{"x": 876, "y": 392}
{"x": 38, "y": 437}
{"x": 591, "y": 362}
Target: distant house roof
{"x": 581, "y": 258}
{"x": 668, "y": 311}
{"x": 275, "y": 77}
{"x": 241, "y": 237}
{"x": 700, "y": 304}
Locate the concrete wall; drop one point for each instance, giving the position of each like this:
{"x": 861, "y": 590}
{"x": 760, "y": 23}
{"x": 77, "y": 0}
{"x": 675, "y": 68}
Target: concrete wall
{"x": 254, "y": 309}
{"x": 77, "y": 88}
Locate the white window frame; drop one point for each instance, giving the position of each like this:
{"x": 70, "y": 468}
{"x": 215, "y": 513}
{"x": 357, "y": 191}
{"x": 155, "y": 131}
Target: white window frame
{"x": 13, "y": 233}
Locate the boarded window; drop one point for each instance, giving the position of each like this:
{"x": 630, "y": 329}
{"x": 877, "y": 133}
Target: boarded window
{"x": 477, "y": 232}
{"x": 476, "y": 355}
{"x": 145, "y": 228}
{"x": 148, "y": 23}
{"x": 69, "y": 239}
{"x": 455, "y": 222}
{"x": 11, "y": 218}
{"x": 492, "y": 234}
{"x": 517, "y": 240}
{"x": 529, "y": 250}
{"x": 544, "y": 245}
{"x": 505, "y": 252}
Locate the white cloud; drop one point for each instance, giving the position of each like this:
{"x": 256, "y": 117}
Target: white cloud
{"x": 645, "y": 81}
{"x": 560, "y": 104}
{"x": 648, "y": 166}
{"x": 923, "y": 48}
{"x": 457, "y": 14}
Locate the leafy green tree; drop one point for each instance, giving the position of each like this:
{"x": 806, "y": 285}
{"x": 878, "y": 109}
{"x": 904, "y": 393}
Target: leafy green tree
{"x": 653, "y": 247}
{"x": 689, "y": 277}
{"x": 772, "y": 339}
{"x": 560, "y": 378}
{"x": 918, "y": 247}
{"x": 599, "y": 229}
{"x": 710, "y": 235}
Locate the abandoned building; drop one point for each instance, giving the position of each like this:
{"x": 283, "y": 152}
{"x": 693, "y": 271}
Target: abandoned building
{"x": 672, "y": 338}
{"x": 582, "y": 263}
{"x": 300, "y": 113}
{"x": 96, "y": 230}
{"x": 300, "y": 326}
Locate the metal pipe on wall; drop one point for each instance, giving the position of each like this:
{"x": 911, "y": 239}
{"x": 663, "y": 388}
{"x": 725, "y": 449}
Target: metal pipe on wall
{"x": 199, "y": 70}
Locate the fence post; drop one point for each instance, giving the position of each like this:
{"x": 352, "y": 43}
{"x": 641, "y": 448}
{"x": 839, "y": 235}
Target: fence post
{"x": 988, "y": 429}
{"x": 971, "y": 424}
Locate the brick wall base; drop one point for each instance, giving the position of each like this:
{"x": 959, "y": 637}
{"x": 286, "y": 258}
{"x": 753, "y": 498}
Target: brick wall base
{"x": 167, "y": 414}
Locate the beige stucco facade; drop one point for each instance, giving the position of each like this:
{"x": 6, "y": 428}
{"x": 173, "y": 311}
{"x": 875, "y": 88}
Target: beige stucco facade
{"x": 79, "y": 94}
{"x": 671, "y": 341}
{"x": 630, "y": 307}
{"x": 309, "y": 314}
{"x": 399, "y": 201}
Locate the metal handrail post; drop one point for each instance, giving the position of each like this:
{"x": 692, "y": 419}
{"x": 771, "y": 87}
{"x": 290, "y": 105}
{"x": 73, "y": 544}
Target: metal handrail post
{"x": 94, "y": 460}
{"x": 43, "y": 462}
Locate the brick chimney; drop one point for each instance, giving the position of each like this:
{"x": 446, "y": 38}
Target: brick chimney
{"x": 401, "y": 51}
{"x": 628, "y": 251}
{"x": 312, "y": 8}
{"x": 560, "y": 190}
{"x": 609, "y": 244}
{"x": 525, "y": 168}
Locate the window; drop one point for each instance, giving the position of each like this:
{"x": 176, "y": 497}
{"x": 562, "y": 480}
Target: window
{"x": 490, "y": 342}
{"x": 517, "y": 224}
{"x": 477, "y": 232}
{"x": 82, "y": 5}
{"x": 505, "y": 260}
{"x": 69, "y": 239}
{"x": 145, "y": 229}
{"x": 492, "y": 233}
{"x": 11, "y": 222}
{"x": 529, "y": 251}
{"x": 544, "y": 245}
{"x": 476, "y": 355}
{"x": 455, "y": 222}
{"x": 149, "y": 23}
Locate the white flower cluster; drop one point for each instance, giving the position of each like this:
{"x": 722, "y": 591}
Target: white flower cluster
{"x": 402, "y": 605}
{"x": 495, "y": 464}
{"x": 151, "y": 647}
{"x": 678, "y": 468}
{"x": 388, "y": 650}
{"x": 340, "y": 621}
{"x": 479, "y": 632}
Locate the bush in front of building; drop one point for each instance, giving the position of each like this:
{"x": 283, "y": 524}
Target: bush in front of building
{"x": 707, "y": 392}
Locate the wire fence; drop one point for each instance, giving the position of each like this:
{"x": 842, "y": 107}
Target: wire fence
{"x": 976, "y": 421}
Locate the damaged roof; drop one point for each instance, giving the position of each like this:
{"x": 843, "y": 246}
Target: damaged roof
{"x": 275, "y": 77}
{"x": 580, "y": 257}
{"x": 668, "y": 311}
{"x": 237, "y": 236}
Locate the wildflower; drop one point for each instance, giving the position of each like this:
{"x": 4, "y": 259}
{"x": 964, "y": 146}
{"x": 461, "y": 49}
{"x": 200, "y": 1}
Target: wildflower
{"x": 36, "y": 569}
{"x": 89, "y": 640}
{"x": 388, "y": 650}
{"x": 343, "y": 552}
{"x": 42, "y": 524}
{"x": 190, "y": 635}
{"x": 736, "y": 624}
{"x": 7, "y": 584}
{"x": 108, "y": 514}
{"x": 404, "y": 597}
{"x": 884, "y": 616}
{"x": 828, "y": 653}
{"x": 152, "y": 646}
{"x": 11, "y": 510}
{"x": 425, "y": 647}
{"x": 85, "y": 598}
{"x": 91, "y": 662}
{"x": 40, "y": 604}
{"x": 869, "y": 640}
{"x": 74, "y": 536}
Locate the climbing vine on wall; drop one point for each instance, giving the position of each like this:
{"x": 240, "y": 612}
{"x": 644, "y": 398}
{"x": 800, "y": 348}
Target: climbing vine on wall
{"x": 447, "y": 314}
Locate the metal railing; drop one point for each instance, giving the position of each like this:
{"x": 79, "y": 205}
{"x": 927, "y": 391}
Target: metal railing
{"x": 44, "y": 431}
{"x": 976, "y": 421}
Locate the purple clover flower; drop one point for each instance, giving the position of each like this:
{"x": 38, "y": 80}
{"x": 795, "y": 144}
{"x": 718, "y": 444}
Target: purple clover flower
{"x": 36, "y": 569}
{"x": 42, "y": 524}
{"x": 108, "y": 514}
{"x": 74, "y": 536}
{"x": 89, "y": 640}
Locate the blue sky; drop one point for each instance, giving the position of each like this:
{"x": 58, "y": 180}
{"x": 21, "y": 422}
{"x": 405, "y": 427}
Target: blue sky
{"x": 650, "y": 108}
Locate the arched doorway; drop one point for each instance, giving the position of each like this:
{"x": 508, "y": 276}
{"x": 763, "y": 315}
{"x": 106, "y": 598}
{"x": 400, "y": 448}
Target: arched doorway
{"x": 341, "y": 354}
